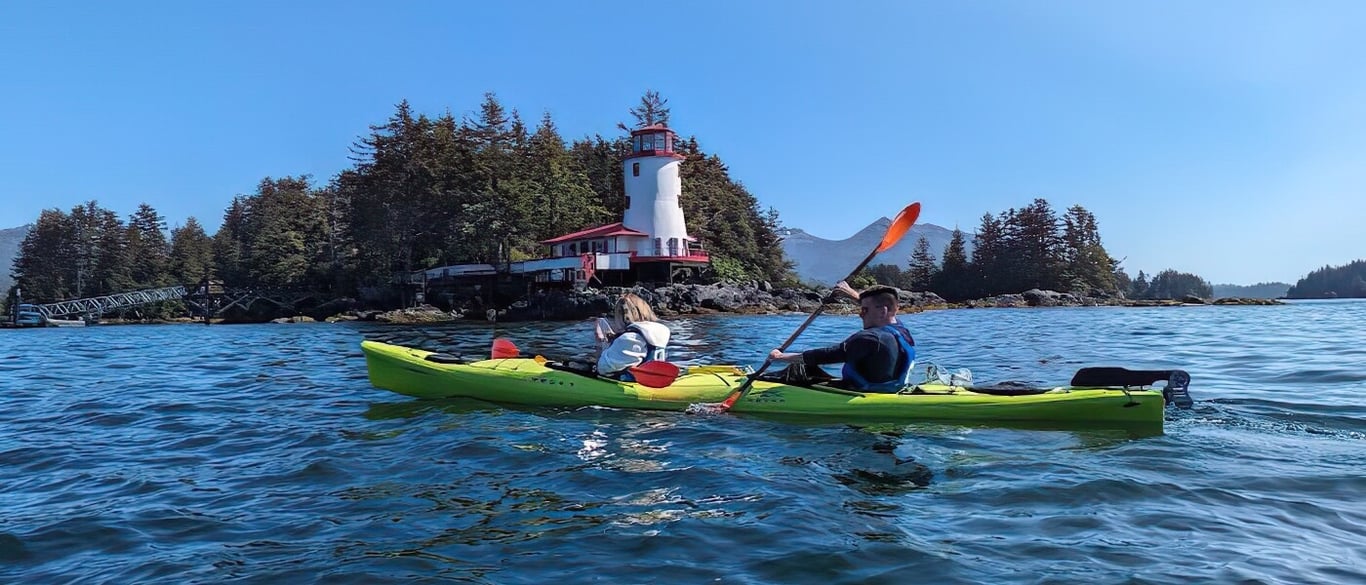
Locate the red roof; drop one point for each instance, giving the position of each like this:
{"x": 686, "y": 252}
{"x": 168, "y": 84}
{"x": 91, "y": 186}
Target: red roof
{"x": 651, "y": 128}
{"x": 611, "y": 229}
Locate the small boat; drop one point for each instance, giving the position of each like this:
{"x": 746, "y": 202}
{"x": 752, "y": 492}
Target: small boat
{"x": 51, "y": 322}
{"x": 29, "y": 316}
{"x": 1096, "y": 396}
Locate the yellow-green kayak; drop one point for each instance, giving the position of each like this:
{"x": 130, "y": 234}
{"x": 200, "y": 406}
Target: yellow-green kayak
{"x": 425, "y": 374}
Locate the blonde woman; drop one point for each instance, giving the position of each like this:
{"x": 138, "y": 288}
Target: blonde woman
{"x": 633, "y": 336}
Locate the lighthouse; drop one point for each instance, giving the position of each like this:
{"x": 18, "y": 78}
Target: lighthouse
{"x": 653, "y": 187}
{"x": 649, "y": 244}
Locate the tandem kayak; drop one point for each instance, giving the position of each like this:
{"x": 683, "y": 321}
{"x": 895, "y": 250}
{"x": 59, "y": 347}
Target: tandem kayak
{"x": 524, "y": 381}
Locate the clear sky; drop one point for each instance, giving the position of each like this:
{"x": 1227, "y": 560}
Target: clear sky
{"x": 1226, "y": 139}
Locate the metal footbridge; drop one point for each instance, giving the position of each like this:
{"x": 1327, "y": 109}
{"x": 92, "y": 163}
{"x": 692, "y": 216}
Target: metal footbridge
{"x": 206, "y": 299}
{"x": 114, "y": 302}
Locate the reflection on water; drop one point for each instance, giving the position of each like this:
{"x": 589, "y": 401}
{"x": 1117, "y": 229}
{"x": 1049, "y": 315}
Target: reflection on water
{"x": 262, "y": 454}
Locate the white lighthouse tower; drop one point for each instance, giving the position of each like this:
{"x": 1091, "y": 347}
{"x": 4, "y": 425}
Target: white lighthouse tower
{"x": 652, "y": 190}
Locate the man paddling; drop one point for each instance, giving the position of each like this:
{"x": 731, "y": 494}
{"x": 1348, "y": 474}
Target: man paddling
{"x": 877, "y": 359}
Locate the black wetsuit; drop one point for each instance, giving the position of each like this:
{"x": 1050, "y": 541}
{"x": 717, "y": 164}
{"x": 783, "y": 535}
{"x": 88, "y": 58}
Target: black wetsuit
{"x": 872, "y": 352}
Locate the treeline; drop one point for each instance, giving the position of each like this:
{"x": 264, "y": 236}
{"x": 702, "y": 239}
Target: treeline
{"x": 1169, "y": 284}
{"x": 1347, "y": 281}
{"x": 1261, "y": 290}
{"x": 1027, "y": 248}
{"x": 91, "y": 251}
{"x": 422, "y": 192}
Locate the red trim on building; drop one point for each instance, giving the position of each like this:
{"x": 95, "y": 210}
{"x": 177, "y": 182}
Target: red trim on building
{"x": 609, "y": 230}
{"x": 645, "y": 153}
{"x": 648, "y": 259}
{"x": 652, "y": 128}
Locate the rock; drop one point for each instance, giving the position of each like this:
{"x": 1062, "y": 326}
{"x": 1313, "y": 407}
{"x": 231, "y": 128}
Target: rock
{"x": 919, "y": 299}
{"x": 560, "y": 305}
{"x": 1193, "y": 300}
{"x": 420, "y": 314}
{"x": 1048, "y": 298}
{"x": 667, "y": 300}
{"x": 1246, "y": 301}
{"x": 295, "y": 319}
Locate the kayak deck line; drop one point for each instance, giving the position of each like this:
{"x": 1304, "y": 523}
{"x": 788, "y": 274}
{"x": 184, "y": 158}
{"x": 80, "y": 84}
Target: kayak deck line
{"x": 532, "y": 382}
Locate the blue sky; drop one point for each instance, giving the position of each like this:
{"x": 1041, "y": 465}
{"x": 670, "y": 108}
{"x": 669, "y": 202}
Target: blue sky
{"x": 1222, "y": 138}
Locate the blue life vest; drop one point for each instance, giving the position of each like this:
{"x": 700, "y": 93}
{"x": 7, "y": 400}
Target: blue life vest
{"x": 901, "y": 374}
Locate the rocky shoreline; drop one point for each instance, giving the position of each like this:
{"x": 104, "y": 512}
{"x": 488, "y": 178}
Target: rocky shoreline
{"x": 757, "y": 298}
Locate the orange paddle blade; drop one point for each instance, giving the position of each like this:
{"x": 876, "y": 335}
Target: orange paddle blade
{"x": 655, "y": 374}
{"x": 900, "y": 226}
{"x": 504, "y": 348}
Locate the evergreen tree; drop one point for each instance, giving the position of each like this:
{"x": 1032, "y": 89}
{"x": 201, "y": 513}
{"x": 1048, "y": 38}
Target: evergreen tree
{"x": 1088, "y": 268}
{"x": 1123, "y": 284}
{"x": 45, "y": 265}
{"x": 338, "y": 256}
{"x": 600, "y": 160}
{"x": 1139, "y": 289}
{"x": 494, "y": 216}
{"x": 148, "y": 251}
{"x": 87, "y": 227}
{"x": 726, "y": 217}
{"x": 229, "y": 252}
{"x": 923, "y": 268}
{"x": 989, "y": 260}
{"x": 1034, "y": 249}
{"x": 952, "y": 279}
{"x": 1170, "y": 284}
{"x": 563, "y": 200}
{"x": 401, "y": 216}
{"x": 112, "y": 268}
{"x": 1346, "y": 281}
{"x": 191, "y": 253}
{"x": 285, "y": 235}
{"x": 888, "y": 274}
{"x": 653, "y": 109}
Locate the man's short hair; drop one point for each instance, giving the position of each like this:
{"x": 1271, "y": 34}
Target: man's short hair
{"x": 884, "y": 295}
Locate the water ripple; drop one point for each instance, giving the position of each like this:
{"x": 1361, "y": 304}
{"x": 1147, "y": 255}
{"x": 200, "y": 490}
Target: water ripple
{"x": 187, "y": 454}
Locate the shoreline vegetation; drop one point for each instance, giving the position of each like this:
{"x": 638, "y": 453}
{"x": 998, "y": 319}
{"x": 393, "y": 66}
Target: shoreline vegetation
{"x": 682, "y": 300}
{"x": 758, "y": 298}
{"x": 426, "y": 192}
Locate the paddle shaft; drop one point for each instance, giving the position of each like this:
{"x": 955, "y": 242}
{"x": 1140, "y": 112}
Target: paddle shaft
{"x": 749, "y": 381}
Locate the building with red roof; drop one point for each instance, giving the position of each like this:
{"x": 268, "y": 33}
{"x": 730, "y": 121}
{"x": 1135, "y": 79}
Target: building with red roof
{"x": 650, "y": 243}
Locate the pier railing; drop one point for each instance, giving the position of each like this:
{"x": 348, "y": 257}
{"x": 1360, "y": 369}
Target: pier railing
{"x": 104, "y": 304}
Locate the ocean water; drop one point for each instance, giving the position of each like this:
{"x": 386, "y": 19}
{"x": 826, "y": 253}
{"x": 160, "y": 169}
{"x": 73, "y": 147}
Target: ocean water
{"x": 261, "y": 454}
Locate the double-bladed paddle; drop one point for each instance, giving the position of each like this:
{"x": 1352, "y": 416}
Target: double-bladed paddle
{"x": 900, "y": 225}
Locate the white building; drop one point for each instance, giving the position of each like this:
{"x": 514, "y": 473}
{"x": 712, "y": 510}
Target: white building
{"x": 651, "y": 243}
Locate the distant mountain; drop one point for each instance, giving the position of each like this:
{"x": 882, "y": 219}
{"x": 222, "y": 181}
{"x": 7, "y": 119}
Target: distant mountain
{"x": 9, "y": 250}
{"x": 1261, "y": 290}
{"x": 827, "y": 261}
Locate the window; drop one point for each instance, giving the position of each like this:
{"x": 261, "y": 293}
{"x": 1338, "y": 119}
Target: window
{"x": 673, "y": 246}
{"x": 635, "y": 172}
{"x": 628, "y": 202}
{"x": 659, "y": 245}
